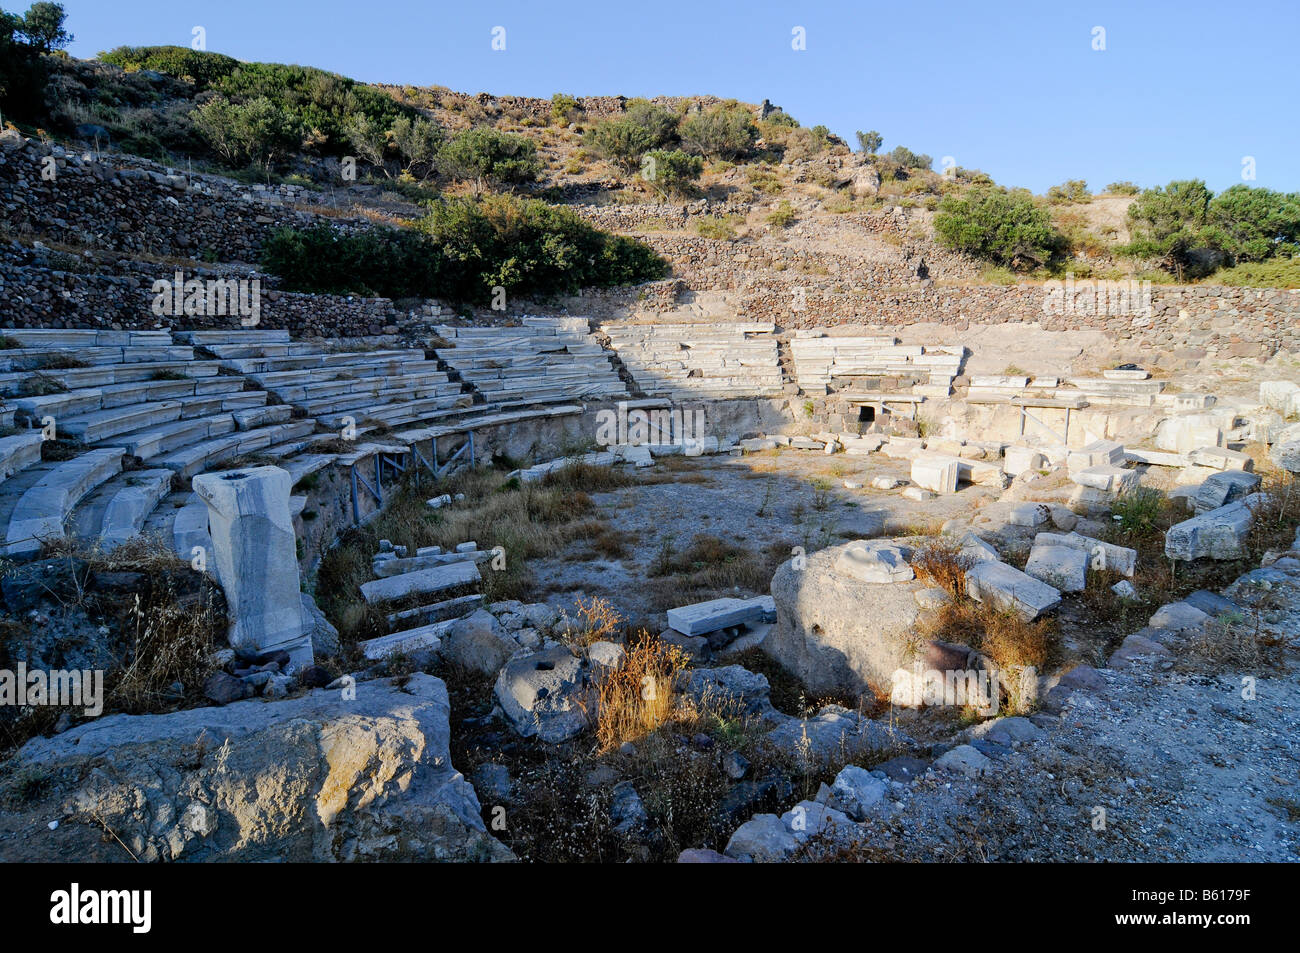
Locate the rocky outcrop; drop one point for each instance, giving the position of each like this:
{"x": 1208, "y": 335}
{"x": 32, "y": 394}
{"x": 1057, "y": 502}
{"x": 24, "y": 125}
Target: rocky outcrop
{"x": 327, "y": 776}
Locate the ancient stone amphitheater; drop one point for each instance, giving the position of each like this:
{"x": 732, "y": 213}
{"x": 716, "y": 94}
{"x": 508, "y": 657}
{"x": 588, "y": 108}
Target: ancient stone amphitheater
{"x": 249, "y": 448}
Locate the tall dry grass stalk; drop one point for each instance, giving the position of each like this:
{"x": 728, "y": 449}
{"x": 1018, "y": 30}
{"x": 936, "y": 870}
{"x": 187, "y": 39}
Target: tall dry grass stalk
{"x": 640, "y": 695}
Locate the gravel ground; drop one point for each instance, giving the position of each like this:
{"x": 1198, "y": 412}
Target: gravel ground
{"x": 1185, "y": 768}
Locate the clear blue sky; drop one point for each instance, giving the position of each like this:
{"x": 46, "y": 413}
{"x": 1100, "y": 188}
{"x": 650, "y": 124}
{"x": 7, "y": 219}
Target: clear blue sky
{"x": 1183, "y": 89}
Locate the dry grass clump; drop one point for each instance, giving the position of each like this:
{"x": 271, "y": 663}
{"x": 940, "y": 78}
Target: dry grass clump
{"x": 1009, "y": 642}
{"x": 164, "y": 624}
{"x": 640, "y": 695}
{"x": 709, "y": 568}
{"x": 941, "y": 562}
{"x": 1277, "y": 514}
{"x": 576, "y": 476}
{"x": 598, "y": 620}
{"x": 1235, "y": 641}
{"x": 174, "y": 639}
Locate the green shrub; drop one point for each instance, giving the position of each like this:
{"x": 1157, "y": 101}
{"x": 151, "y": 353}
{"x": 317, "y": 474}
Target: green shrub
{"x": 671, "y": 173}
{"x": 1166, "y": 224}
{"x": 712, "y": 226}
{"x": 782, "y": 216}
{"x": 1073, "y": 192}
{"x": 200, "y": 67}
{"x": 1253, "y": 224}
{"x": 869, "y": 142}
{"x": 1124, "y": 187}
{"x": 643, "y": 127}
{"x": 724, "y": 132}
{"x": 908, "y": 159}
{"x": 565, "y": 109}
{"x": 484, "y": 155}
{"x": 23, "y": 74}
{"x": 622, "y": 141}
{"x": 1004, "y": 227}
{"x": 256, "y": 131}
{"x": 1277, "y": 273}
{"x": 462, "y": 249}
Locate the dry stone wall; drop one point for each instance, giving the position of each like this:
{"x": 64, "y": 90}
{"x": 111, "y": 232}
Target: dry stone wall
{"x": 135, "y": 207}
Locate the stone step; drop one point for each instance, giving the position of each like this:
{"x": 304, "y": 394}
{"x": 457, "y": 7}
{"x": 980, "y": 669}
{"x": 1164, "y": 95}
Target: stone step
{"x": 196, "y": 458}
{"x": 422, "y": 582}
{"x": 153, "y": 441}
{"x": 245, "y": 351}
{"x": 274, "y": 380}
{"x": 89, "y": 399}
{"x": 296, "y": 393}
{"x": 76, "y": 378}
{"x": 101, "y": 425}
{"x": 394, "y": 415}
{"x": 437, "y": 612}
{"x": 190, "y": 530}
{"x": 426, "y": 638}
{"x": 490, "y": 417}
{"x": 307, "y": 464}
{"x": 391, "y": 394}
{"x": 58, "y": 338}
{"x": 389, "y": 359}
{"x": 255, "y": 417}
{"x": 40, "y": 513}
{"x": 241, "y": 336}
{"x": 19, "y": 452}
{"x": 118, "y": 510}
{"x": 23, "y": 359}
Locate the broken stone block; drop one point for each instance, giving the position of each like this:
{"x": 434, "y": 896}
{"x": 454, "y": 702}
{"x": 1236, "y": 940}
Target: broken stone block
{"x": 1125, "y": 590}
{"x": 478, "y": 642}
{"x": 421, "y": 582}
{"x": 1220, "y": 458}
{"x": 1018, "y": 460}
{"x": 1286, "y": 455}
{"x": 698, "y": 446}
{"x": 964, "y": 759}
{"x": 1107, "y": 477}
{"x": 1217, "y": 534}
{"x": 982, "y": 474}
{"x": 1125, "y": 374}
{"x": 976, "y": 548}
{"x": 917, "y": 494}
{"x": 1097, "y": 453}
{"x": 1103, "y": 555}
{"x": 1029, "y": 514}
{"x": 1062, "y": 567}
{"x": 902, "y": 447}
{"x": 884, "y": 483}
{"x": 705, "y": 617}
{"x": 763, "y": 839}
{"x": 1282, "y": 396}
{"x": 1220, "y": 489}
{"x": 937, "y": 473}
{"x": 1005, "y": 586}
{"x": 875, "y": 561}
{"x": 1183, "y": 434}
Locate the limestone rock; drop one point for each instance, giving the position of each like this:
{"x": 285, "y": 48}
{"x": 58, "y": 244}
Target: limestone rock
{"x": 478, "y": 642}
{"x": 312, "y": 778}
{"x": 546, "y": 694}
{"x": 1061, "y": 567}
{"x": 836, "y": 632}
{"x": 876, "y": 561}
